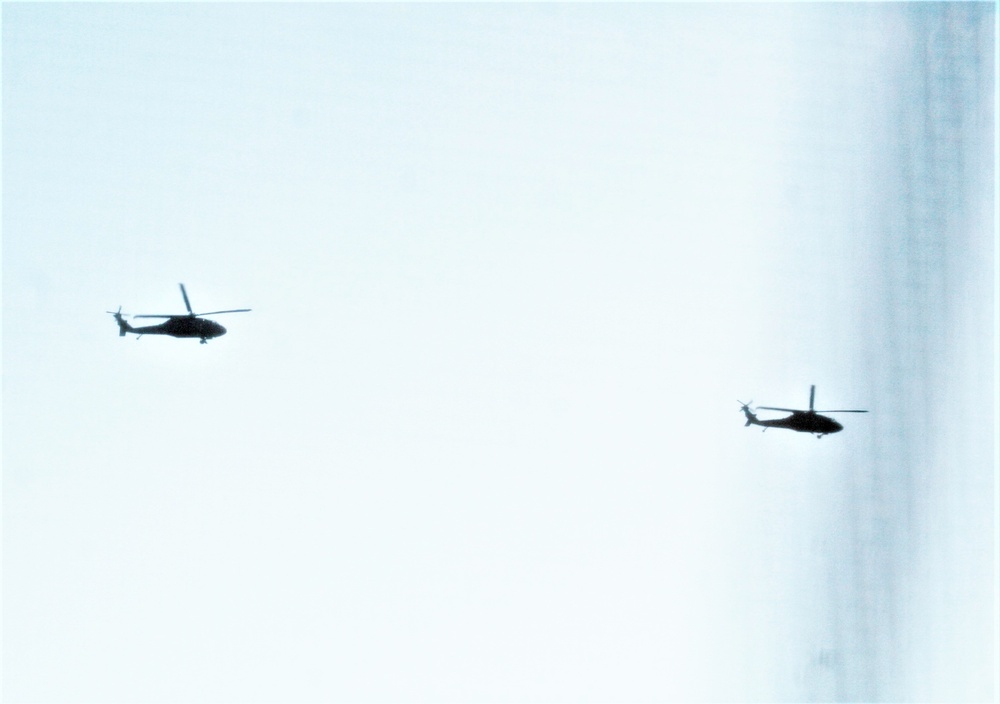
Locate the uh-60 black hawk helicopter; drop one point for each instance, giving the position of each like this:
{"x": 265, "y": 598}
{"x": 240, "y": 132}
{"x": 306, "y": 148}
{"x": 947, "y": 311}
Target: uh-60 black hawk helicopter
{"x": 801, "y": 421}
{"x": 190, "y": 325}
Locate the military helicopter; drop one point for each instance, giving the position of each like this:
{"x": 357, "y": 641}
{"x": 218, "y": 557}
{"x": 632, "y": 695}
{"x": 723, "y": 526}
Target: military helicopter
{"x": 189, "y": 325}
{"x": 801, "y": 421}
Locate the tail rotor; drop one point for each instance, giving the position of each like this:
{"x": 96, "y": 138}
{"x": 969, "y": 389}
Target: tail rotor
{"x": 123, "y": 327}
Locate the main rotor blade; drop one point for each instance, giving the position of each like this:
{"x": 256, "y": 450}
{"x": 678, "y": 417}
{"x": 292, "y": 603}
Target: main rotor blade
{"x": 186, "y": 301}
{"x": 175, "y": 315}
{"x": 773, "y": 408}
{"x": 841, "y": 411}
{"x": 217, "y": 312}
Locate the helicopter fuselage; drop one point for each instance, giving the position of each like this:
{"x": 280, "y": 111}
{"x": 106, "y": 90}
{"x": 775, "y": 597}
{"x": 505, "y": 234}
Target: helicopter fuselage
{"x": 177, "y": 326}
{"x": 184, "y": 326}
{"x": 802, "y": 422}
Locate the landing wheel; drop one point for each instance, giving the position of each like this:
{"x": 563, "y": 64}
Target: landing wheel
{"x": 204, "y": 341}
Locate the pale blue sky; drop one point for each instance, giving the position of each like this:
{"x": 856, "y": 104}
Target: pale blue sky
{"x": 510, "y": 266}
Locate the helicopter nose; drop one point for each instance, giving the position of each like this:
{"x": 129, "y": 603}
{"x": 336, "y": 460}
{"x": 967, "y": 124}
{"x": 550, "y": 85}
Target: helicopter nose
{"x": 214, "y": 330}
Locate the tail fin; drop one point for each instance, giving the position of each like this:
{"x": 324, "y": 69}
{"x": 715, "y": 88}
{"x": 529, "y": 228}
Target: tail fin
{"x": 751, "y": 418}
{"x": 123, "y": 326}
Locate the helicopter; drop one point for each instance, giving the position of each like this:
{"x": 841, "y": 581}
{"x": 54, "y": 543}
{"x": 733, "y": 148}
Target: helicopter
{"x": 190, "y": 325}
{"x": 810, "y": 421}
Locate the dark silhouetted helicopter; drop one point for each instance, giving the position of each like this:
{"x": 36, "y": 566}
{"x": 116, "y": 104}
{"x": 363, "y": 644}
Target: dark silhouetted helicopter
{"x": 189, "y": 325}
{"x": 801, "y": 421}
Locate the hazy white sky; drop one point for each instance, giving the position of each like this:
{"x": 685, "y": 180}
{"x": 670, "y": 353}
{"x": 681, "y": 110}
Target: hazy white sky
{"x": 510, "y": 267}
